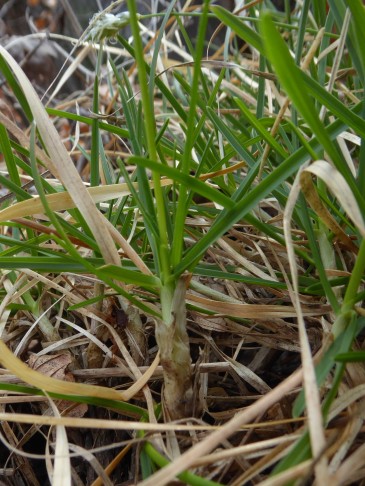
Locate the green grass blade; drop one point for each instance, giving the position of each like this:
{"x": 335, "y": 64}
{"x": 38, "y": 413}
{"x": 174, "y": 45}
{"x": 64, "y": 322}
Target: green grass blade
{"x": 354, "y": 121}
{"x": 95, "y": 138}
{"x": 18, "y": 92}
{"x": 182, "y": 203}
{"x": 351, "y": 357}
{"x": 129, "y": 276}
{"x": 290, "y": 77}
{"x": 249, "y": 201}
{"x": 237, "y": 24}
{"x": 288, "y": 74}
{"x": 355, "y": 49}
{"x": 195, "y": 184}
{"x": 6, "y": 149}
{"x": 256, "y": 123}
{"x": 127, "y": 408}
{"x": 358, "y": 19}
{"x": 187, "y": 477}
{"x": 157, "y": 46}
{"x": 88, "y": 120}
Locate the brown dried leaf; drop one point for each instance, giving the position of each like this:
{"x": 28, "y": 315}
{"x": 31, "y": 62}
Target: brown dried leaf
{"x": 51, "y": 365}
{"x": 55, "y": 366}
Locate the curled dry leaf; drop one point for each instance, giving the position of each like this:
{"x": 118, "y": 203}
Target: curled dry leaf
{"x": 310, "y": 192}
{"x": 51, "y": 365}
{"x": 340, "y": 189}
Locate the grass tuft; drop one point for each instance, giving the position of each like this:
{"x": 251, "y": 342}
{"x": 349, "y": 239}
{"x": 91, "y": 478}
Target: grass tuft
{"x": 182, "y": 251}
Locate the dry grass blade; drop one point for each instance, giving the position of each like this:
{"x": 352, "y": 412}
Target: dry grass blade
{"x": 296, "y": 472}
{"x": 253, "y": 311}
{"x": 94, "y": 423}
{"x": 110, "y": 468}
{"x": 85, "y": 51}
{"x": 63, "y": 200}
{"x": 346, "y": 399}
{"x": 352, "y": 469}
{"x": 245, "y": 449}
{"x": 61, "y": 475}
{"x": 16, "y": 366}
{"x": 94, "y": 463}
{"x": 63, "y": 167}
{"x": 316, "y": 204}
{"x": 209, "y": 443}
{"x": 200, "y": 243}
{"x": 312, "y": 396}
{"x": 339, "y": 187}
{"x": 24, "y": 139}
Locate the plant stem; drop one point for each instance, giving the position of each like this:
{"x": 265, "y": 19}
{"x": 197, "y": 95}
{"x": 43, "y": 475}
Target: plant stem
{"x": 343, "y": 319}
{"x": 187, "y": 155}
{"x": 150, "y": 130}
{"x": 355, "y": 279}
{"x": 173, "y": 341}
{"x": 171, "y": 334}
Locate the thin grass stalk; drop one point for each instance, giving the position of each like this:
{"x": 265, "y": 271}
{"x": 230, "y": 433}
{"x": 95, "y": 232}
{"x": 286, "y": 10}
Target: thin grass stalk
{"x": 357, "y": 274}
{"x": 171, "y": 334}
{"x": 178, "y": 239}
{"x": 150, "y": 130}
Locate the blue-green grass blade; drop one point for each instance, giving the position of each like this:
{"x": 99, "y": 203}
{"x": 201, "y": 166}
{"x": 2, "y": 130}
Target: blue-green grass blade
{"x": 157, "y": 46}
{"x": 88, "y": 120}
{"x": 238, "y": 26}
{"x": 122, "y": 407}
{"x": 146, "y": 309}
{"x": 288, "y": 74}
{"x": 43, "y": 264}
{"x": 342, "y": 344}
{"x": 245, "y": 204}
{"x": 233, "y": 140}
{"x": 142, "y": 202}
{"x": 129, "y": 276}
{"x": 192, "y": 183}
{"x": 315, "y": 253}
{"x": 191, "y": 134}
{"x": 144, "y": 199}
{"x": 354, "y": 121}
{"x": 92, "y": 301}
{"x": 63, "y": 239}
{"x": 215, "y": 272}
{"x": 300, "y": 452}
{"x": 18, "y": 92}
{"x": 6, "y": 149}
{"x": 19, "y": 193}
{"x": 319, "y": 11}
{"x": 16, "y": 246}
{"x": 256, "y": 124}
{"x": 147, "y": 465}
{"x": 187, "y": 477}
{"x": 301, "y": 31}
{"x": 353, "y": 42}
{"x": 165, "y": 91}
{"x": 95, "y": 138}
{"x": 354, "y": 327}
{"x": 351, "y": 357}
